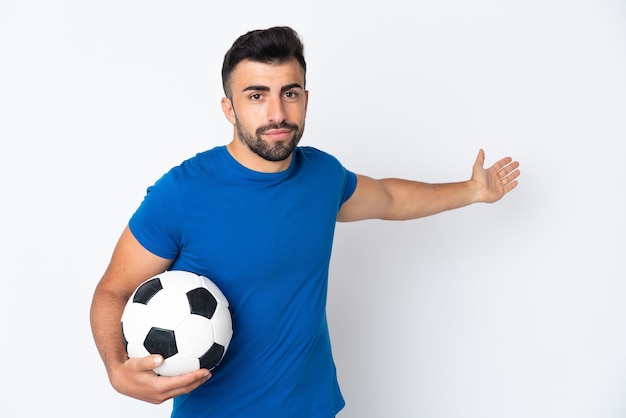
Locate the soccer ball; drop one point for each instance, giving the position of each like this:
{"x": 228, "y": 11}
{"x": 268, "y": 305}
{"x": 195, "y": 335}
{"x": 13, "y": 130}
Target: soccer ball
{"x": 182, "y": 316}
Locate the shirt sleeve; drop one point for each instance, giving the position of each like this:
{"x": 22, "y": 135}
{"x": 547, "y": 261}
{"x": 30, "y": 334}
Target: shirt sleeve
{"x": 349, "y": 186}
{"x": 156, "y": 223}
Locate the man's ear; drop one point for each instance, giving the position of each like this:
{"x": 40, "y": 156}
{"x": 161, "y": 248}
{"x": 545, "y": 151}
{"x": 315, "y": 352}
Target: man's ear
{"x": 228, "y": 109}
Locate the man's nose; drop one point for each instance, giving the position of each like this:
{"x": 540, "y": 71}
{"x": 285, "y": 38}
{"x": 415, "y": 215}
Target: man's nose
{"x": 276, "y": 110}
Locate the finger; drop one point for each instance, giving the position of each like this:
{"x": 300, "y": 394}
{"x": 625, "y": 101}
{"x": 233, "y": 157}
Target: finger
{"x": 509, "y": 182}
{"x": 510, "y": 176}
{"x": 510, "y": 186}
{"x": 198, "y": 378}
{"x": 178, "y": 385}
{"x": 508, "y": 169}
{"x": 150, "y": 362}
{"x": 502, "y": 163}
{"x": 145, "y": 363}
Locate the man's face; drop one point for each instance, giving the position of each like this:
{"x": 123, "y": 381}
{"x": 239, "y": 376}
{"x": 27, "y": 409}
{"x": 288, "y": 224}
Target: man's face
{"x": 267, "y": 107}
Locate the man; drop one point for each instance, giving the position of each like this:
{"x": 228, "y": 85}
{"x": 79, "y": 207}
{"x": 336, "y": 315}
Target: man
{"x": 257, "y": 216}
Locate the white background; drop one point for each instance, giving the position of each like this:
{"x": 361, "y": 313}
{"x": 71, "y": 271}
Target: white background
{"x": 507, "y": 310}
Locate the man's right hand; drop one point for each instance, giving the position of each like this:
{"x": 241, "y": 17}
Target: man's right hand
{"x": 135, "y": 378}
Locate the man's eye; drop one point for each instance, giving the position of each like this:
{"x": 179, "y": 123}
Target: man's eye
{"x": 256, "y": 96}
{"x": 291, "y": 94}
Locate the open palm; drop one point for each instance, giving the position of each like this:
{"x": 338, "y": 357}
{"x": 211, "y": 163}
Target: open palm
{"x": 497, "y": 180}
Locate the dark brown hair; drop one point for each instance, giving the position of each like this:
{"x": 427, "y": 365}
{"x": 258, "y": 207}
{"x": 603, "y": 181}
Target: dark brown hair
{"x": 274, "y": 45}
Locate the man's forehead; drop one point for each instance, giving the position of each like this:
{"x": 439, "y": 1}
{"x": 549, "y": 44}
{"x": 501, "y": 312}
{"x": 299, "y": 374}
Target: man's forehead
{"x": 272, "y": 75}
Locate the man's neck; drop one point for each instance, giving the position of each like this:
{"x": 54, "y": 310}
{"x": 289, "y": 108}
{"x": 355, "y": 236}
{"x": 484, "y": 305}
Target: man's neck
{"x": 244, "y": 156}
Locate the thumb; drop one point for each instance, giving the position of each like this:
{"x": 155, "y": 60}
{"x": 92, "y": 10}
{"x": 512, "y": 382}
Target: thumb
{"x": 480, "y": 158}
{"x": 147, "y": 363}
{"x": 150, "y": 362}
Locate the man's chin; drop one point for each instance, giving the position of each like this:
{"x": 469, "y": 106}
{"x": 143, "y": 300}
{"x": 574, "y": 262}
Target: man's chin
{"x": 276, "y": 155}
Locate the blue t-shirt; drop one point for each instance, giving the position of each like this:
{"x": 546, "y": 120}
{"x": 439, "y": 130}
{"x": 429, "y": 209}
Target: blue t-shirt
{"x": 265, "y": 239}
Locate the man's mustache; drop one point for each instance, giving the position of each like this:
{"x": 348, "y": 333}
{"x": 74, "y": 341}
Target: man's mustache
{"x": 282, "y": 125}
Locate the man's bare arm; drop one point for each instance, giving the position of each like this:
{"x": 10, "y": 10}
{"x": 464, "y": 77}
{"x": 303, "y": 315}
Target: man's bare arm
{"x": 130, "y": 265}
{"x": 397, "y": 199}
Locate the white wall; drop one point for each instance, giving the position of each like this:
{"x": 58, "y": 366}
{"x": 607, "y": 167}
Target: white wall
{"x": 509, "y": 310}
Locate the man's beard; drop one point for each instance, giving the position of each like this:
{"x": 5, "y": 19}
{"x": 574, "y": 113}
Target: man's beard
{"x": 278, "y": 151}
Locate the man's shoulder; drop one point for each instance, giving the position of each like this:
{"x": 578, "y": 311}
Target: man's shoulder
{"x": 200, "y": 161}
{"x": 190, "y": 168}
{"x": 322, "y": 163}
{"x": 206, "y": 156}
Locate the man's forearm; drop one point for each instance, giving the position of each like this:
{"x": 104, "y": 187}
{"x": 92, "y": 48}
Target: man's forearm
{"x": 412, "y": 199}
{"x": 105, "y": 315}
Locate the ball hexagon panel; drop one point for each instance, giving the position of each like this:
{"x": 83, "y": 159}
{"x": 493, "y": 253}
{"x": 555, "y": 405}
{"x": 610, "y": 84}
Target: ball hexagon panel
{"x": 223, "y": 328}
{"x": 181, "y": 280}
{"x": 136, "y": 350}
{"x": 168, "y": 308}
{"x": 136, "y": 322}
{"x": 194, "y": 336}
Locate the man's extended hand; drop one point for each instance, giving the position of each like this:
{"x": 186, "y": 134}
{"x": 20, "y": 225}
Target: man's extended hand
{"x": 497, "y": 180}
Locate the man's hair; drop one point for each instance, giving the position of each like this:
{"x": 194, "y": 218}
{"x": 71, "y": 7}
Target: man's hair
{"x": 270, "y": 46}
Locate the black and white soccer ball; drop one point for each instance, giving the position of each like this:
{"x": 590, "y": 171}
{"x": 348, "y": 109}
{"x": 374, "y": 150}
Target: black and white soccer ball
{"x": 182, "y": 316}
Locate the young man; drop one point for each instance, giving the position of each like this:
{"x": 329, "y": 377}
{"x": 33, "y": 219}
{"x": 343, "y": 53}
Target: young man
{"x": 257, "y": 217}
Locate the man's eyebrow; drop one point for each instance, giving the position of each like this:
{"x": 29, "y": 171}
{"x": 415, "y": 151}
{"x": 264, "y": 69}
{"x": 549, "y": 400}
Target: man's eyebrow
{"x": 256, "y": 88}
{"x": 282, "y": 89}
{"x": 291, "y": 86}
